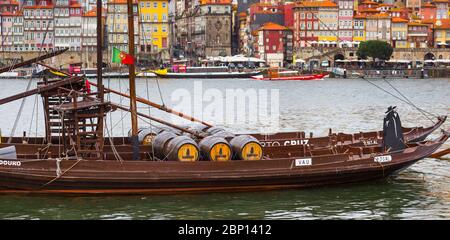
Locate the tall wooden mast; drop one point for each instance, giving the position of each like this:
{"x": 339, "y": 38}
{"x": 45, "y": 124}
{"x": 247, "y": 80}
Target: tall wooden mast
{"x": 131, "y": 69}
{"x": 99, "y": 50}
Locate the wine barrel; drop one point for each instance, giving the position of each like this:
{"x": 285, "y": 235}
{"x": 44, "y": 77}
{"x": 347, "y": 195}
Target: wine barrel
{"x": 146, "y": 135}
{"x": 225, "y": 134}
{"x": 160, "y": 141}
{"x": 169, "y": 129}
{"x": 182, "y": 148}
{"x": 214, "y": 130}
{"x": 215, "y": 149}
{"x": 246, "y": 147}
{"x": 197, "y": 127}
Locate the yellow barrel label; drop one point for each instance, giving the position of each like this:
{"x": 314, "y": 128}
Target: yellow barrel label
{"x": 252, "y": 151}
{"x": 188, "y": 153}
{"x": 220, "y": 152}
{"x": 148, "y": 139}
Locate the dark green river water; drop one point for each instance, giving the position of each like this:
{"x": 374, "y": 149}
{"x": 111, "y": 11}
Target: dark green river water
{"x": 420, "y": 192}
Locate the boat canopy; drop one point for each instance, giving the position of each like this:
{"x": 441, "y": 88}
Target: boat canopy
{"x": 438, "y": 61}
{"x": 234, "y": 59}
{"x": 299, "y": 61}
{"x": 398, "y": 61}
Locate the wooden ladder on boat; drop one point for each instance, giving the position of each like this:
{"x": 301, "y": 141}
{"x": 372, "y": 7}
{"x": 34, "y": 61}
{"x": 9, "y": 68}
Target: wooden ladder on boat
{"x": 55, "y": 121}
{"x": 88, "y": 127}
{"x": 83, "y": 128}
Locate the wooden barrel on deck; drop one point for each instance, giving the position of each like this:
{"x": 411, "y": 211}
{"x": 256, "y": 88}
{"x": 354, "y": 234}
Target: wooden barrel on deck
{"x": 147, "y": 135}
{"x": 246, "y": 147}
{"x": 213, "y": 130}
{"x": 215, "y": 149}
{"x": 182, "y": 148}
{"x": 160, "y": 141}
{"x": 225, "y": 134}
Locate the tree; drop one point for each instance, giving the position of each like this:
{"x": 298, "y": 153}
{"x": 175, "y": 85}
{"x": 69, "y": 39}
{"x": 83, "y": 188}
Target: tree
{"x": 375, "y": 49}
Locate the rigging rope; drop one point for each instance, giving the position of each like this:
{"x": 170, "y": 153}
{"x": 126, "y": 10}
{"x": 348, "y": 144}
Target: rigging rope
{"x": 412, "y": 104}
{"x": 22, "y": 104}
{"x": 393, "y": 95}
{"x": 32, "y": 118}
{"x": 19, "y": 114}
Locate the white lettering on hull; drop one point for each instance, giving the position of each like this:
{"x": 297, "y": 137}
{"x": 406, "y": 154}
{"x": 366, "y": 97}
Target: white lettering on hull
{"x": 303, "y": 162}
{"x": 381, "y": 159}
{"x": 10, "y": 163}
{"x": 296, "y": 142}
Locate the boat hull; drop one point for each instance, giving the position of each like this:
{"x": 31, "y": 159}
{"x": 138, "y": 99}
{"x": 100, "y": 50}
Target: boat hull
{"x": 209, "y": 75}
{"x": 293, "y": 78}
{"x": 163, "y": 177}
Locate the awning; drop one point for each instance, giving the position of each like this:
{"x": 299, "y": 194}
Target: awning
{"x": 398, "y": 61}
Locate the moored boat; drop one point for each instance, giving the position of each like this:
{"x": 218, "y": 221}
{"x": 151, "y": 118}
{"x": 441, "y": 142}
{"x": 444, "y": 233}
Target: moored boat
{"x": 75, "y": 156}
{"x": 287, "y": 168}
{"x": 207, "y": 74}
{"x": 306, "y": 77}
{"x": 276, "y": 74}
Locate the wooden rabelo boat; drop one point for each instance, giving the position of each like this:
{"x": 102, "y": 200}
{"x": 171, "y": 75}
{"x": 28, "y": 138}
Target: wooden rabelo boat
{"x": 74, "y": 156}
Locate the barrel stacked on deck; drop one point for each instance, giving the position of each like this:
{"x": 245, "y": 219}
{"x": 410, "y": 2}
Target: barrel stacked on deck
{"x": 216, "y": 144}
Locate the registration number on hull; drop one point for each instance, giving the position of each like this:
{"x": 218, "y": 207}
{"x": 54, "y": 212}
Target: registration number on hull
{"x": 303, "y": 162}
{"x": 381, "y": 159}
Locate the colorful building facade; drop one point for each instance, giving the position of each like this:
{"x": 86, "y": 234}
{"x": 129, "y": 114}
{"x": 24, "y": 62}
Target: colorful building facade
{"x": 117, "y": 25}
{"x": 306, "y": 24}
{"x": 153, "y": 25}
{"x": 345, "y": 20}
{"x": 359, "y": 28}
{"x": 399, "y": 32}
{"x": 328, "y": 27}
{"x": 275, "y": 44}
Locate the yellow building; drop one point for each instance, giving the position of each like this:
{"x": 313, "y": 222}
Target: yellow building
{"x": 117, "y": 24}
{"x": 153, "y": 25}
{"x": 399, "y": 32}
{"x": 442, "y": 33}
{"x": 328, "y": 26}
{"x": 359, "y": 28}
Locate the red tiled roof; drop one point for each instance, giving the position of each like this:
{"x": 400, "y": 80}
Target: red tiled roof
{"x": 399, "y": 20}
{"x": 316, "y": 4}
{"x": 380, "y": 15}
{"x": 272, "y": 27}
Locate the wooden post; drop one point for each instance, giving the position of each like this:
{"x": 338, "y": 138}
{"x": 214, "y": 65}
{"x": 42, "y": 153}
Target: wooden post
{"x": 100, "y": 90}
{"x": 132, "y": 78}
